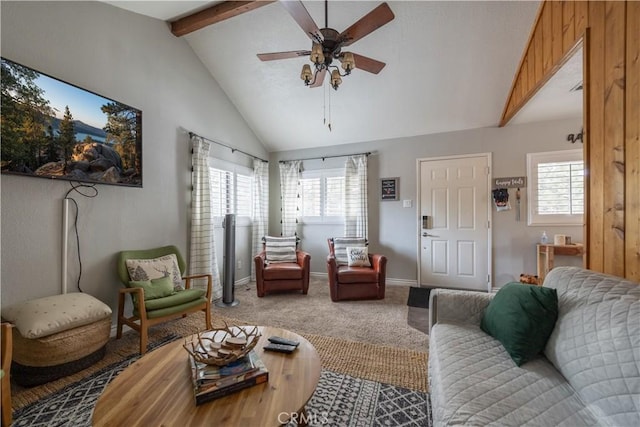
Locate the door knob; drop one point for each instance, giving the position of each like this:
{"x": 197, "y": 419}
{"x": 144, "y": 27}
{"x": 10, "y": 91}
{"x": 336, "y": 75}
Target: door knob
{"x": 428, "y": 235}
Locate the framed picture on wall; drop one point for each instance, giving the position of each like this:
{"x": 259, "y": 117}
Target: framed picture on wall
{"x": 389, "y": 189}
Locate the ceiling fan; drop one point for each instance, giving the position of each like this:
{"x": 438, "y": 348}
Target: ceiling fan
{"x": 327, "y": 44}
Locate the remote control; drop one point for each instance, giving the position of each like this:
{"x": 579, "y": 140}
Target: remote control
{"x": 281, "y": 348}
{"x": 280, "y": 340}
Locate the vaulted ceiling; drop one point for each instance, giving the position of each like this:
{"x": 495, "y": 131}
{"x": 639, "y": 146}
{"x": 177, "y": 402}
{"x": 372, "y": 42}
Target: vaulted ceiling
{"x": 449, "y": 66}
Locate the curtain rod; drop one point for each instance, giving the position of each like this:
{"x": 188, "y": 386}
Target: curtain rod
{"x": 233, "y": 150}
{"x": 368, "y": 153}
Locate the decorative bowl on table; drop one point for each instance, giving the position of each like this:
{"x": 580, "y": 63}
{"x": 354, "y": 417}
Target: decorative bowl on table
{"x": 222, "y": 346}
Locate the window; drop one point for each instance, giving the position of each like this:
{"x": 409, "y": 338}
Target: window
{"x": 322, "y": 194}
{"x": 231, "y": 191}
{"x": 556, "y": 187}
{"x": 243, "y": 194}
{"x": 221, "y": 192}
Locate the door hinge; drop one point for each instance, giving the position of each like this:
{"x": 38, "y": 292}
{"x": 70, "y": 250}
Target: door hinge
{"x": 488, "y": 170}
{"x": 488, "y": 278}
{"x": 489, "y": 224}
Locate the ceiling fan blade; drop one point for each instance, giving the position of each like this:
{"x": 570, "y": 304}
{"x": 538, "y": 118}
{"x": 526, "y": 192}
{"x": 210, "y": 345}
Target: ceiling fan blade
{"x": 367, "y": 24}
{"x": 368, "y": 64}
{"x": 319, "y": 78}
{"x": 283, "y": 55}
{"x": 300, "y": 14}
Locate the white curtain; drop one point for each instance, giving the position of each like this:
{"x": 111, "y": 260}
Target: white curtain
{"x": 260, "y": 215}
{"x": 355, "y": 197}
{"x": 202, "y": 258}
{"x": 290, "y": 197}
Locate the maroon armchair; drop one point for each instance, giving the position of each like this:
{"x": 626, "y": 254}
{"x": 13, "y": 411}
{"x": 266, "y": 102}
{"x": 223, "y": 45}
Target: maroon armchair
{"x": 281, "y": 277}
{"x": 353, "y": 283}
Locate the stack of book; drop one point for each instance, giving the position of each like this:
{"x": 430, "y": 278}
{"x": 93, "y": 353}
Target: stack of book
{"x": 213, "y": 382}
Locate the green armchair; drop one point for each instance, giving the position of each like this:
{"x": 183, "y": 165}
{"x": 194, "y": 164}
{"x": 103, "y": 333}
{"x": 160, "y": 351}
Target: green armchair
{"x": 158, "y": 306}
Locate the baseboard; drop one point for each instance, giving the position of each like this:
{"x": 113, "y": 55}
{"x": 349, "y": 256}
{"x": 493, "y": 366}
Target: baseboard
{"x": 319, "y": 275}
{"x": 401, "y": 282}
{"x": 243, "y": 281}
{"x": 389, "y": 281}
{"x": 114, "y": 328}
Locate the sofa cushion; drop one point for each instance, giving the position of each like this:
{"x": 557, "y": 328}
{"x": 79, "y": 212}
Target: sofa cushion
{"x": 45, "y": 316}
{"x": 348, "y": 274}
{"x": 340, "y": 245}
{"x": 282, "y": 271}
{"x": 358, "y": 257}
{"x": 280, "y": 249}
{"x": 177, "y": 298}
{"x": 596, "y": 341}
{"x": 521, "y": 317}
{"x": 156, "y": 288}
{"x": 473, "y": 381}
{"x": 197, "y": 304}
{"x": 155, "y": 268}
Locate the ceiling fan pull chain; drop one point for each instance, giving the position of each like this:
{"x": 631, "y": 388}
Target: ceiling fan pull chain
{"x": 327, "y": 97}
{"x": 324, "y": 105}
{"x": 329, "y": 94}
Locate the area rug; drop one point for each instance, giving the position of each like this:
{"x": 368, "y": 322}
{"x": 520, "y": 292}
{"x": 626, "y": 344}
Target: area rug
{"x": 398, "y": 366}
{"x": 419, "y": 297}
{"x": 364, "y": 339}
{"x": 339, "y": 400}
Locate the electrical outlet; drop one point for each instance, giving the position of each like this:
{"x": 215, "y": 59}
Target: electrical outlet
{"x": 239, "y": 264}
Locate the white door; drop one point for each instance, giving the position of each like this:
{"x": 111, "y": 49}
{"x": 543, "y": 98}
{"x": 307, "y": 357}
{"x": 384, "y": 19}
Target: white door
{"x": 454, "y": 222}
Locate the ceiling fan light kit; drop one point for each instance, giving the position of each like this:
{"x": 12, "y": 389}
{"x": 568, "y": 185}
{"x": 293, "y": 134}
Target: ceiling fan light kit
{"x": 317, "y": 56}
{"x": 327, "y": 45}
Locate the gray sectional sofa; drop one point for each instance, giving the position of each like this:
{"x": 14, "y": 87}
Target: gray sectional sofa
{"x": 589, "y": 373}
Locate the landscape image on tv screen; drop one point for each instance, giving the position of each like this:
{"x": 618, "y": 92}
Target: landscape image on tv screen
{"x": 52, "y": 129}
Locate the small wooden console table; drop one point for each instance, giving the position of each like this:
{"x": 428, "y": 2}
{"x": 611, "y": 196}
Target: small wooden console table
{"x": 546, "y": 253}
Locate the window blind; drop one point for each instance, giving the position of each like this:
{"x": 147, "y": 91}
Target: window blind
{"x": 334, "y": 196}
{"x": 561, "y": 188}
{"x": 221, "y": 192}
{"x": 310, "y": 195}
{"x": 243, "y": 195}
{"x": 322, "y": 195}
{"x": 555, "y": 187}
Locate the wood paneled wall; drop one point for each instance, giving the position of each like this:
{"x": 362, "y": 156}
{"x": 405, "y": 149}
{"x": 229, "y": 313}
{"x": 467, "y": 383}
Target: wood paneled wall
{"x": 611, "y": 116}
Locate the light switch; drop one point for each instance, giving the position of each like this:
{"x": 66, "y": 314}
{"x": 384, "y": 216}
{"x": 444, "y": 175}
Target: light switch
{"x": 406, "y": 203}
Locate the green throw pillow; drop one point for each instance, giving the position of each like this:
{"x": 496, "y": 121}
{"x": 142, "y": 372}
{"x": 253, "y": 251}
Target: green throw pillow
{"x": 154, "y": 288}
{"x": 522, "y": 318}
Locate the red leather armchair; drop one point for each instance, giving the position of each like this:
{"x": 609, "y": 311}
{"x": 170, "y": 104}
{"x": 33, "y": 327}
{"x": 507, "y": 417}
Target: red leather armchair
{"x": 354, "y": 283}
{"x": 281, "y": 277}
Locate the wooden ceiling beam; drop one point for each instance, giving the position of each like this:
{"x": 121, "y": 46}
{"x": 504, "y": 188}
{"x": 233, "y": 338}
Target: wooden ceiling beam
{"x": 211, "y": 15}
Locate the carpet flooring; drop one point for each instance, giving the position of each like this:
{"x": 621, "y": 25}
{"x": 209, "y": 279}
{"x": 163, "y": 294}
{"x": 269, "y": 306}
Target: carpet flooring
{"x": 381, "y": 322}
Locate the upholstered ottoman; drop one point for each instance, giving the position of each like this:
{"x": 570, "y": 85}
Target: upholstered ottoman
{"x": 57, "y": 336}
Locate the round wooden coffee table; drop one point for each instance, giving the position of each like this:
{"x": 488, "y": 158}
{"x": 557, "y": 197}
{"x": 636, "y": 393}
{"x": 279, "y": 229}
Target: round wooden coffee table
{"x": 157, "y": 390}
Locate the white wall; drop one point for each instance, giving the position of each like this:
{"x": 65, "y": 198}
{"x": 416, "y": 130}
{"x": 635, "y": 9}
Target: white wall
{"x": 137, "y": 61}
{"x": 392, "y": 228}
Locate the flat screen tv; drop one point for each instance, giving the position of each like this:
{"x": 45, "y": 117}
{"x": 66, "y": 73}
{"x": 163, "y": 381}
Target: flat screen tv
{"x": 53, "y": 129}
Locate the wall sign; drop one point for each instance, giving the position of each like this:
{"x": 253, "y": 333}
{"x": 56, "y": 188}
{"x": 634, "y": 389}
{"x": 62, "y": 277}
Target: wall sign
{"x": 389, "y": 189}
{"x": 510, "y": 182}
